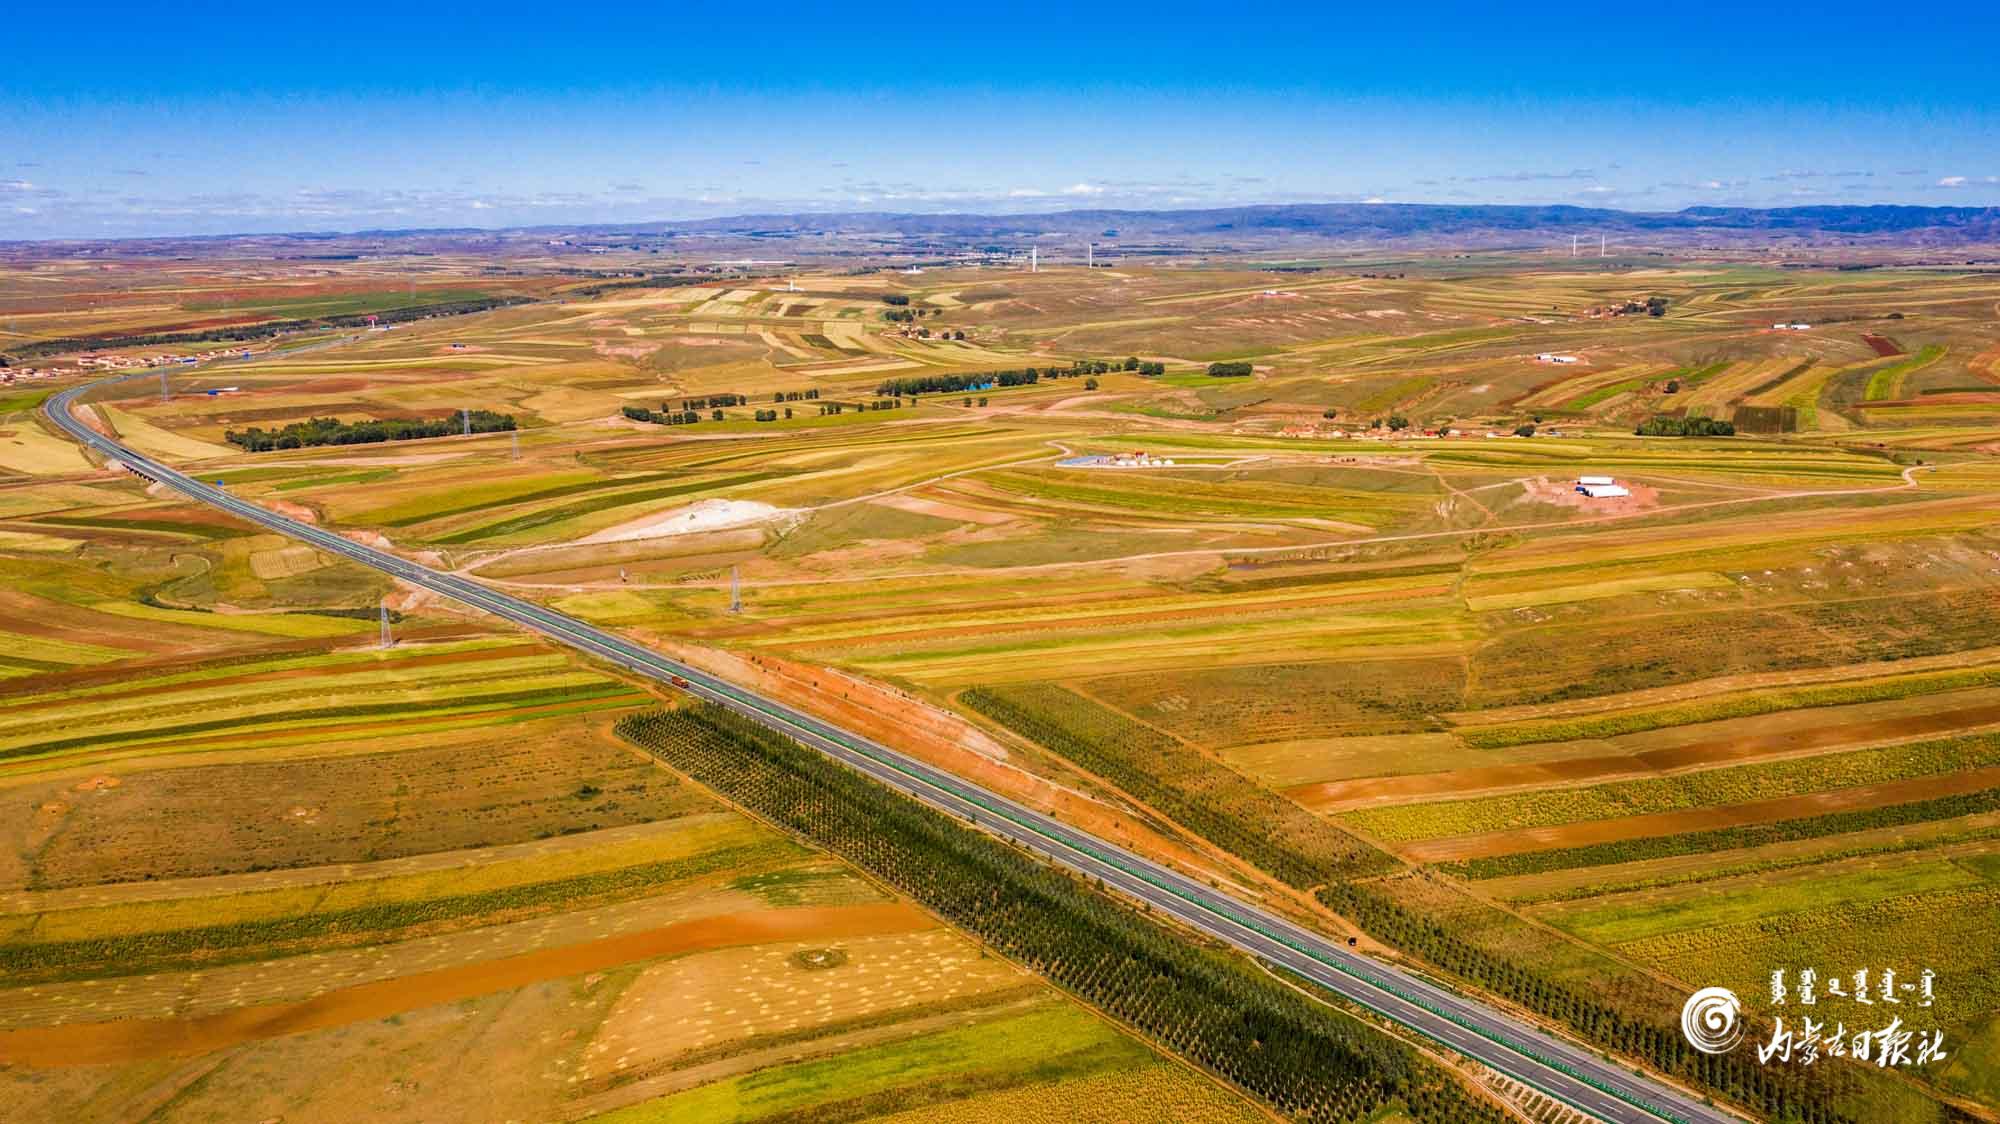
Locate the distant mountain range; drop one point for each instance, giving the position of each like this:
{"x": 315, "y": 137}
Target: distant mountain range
{"x": 1373, "y": 220}
{"x": 1252, "y": 228}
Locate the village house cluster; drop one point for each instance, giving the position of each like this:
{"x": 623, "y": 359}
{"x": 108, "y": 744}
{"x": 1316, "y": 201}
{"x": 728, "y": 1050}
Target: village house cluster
{"x": 93, "y": 362}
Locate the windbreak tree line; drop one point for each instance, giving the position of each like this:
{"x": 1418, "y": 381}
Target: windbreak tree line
{"x": 265, "y": 330}
{"x": 652, "y": 281}
{"x": 1306, "y": 1059}
{"x": 1667, "y": 425}
{"x": 1791, "y": 1093}
{"x": 662, "y": 417}
{"x": 1223, "y": 807}
{"x": 333, "y": 431}
{"x": 1025, "y": 376}
{"x": 953, "y": 384}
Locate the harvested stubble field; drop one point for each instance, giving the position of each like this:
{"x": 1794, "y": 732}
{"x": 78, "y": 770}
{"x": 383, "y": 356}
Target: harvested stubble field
{"x": 1554, "y": 724}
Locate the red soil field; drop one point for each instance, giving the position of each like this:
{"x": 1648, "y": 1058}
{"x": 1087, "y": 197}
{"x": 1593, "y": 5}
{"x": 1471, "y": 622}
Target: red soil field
{"x": 1342, "y": 795}
{"x": 142, "y": 1039}
{"x": 1700, "y": 819}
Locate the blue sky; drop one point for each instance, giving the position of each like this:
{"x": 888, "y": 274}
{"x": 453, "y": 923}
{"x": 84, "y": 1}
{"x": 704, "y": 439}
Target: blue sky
{"x": 121, "y": 119}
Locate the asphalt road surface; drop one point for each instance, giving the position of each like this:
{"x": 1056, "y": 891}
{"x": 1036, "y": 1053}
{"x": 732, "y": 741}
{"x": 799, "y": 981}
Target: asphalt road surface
{"x": 1584, "y": 1080}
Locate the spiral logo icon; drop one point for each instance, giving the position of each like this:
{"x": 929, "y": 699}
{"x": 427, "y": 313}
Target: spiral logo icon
{"x": 1711, "y": 1020}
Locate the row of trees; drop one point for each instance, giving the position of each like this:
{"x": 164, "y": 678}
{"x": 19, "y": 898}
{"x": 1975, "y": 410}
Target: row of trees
{"x": 1667, "y": 425}
{"x": 265, "y": 330}
{"x": 666, "y": 417}
{"x": 1208, "y": 798}
{"x": 333, "y": 431}
{"x": 794, "y": 395}
{"x": 953, "y": 384}
{"x": 1303, "y": 1058}
{"x": 690, "y": 417}
{"x": 1025, "y": 376}
{"x": 1230, "y": 370}
{"x": 650, "y": 281}
{"x": 710, "y": 402}
{"x": 1779, "y": 1092}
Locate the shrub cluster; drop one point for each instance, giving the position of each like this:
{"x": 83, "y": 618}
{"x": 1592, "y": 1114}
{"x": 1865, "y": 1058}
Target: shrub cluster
{"x": 333, "y": 431}
{"x": 1667, "y": 425}
{"x": 662, "y": 417}
{"x": 954, "y": 384}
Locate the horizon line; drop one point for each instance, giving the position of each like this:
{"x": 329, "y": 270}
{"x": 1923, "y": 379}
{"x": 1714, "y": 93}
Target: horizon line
{"x": 659, "y": 223}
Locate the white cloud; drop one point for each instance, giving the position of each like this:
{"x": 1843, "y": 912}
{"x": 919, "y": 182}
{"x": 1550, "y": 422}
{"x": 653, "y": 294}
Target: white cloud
{"x": 1026, "y": 193}
{"x": 1952, "y": 181}
{"x": 1530, "y": 177}
{"x": 1374, "y": 199}
{"x": 1083, "y": 189}
{"x": 481, "y": 205}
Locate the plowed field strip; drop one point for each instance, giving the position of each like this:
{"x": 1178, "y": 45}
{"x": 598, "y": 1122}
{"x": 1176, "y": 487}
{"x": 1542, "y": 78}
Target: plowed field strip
{"x": 1701, "y": 819}
{"x": 144, "y": 1039}
{"x": 1340, "y": 795}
